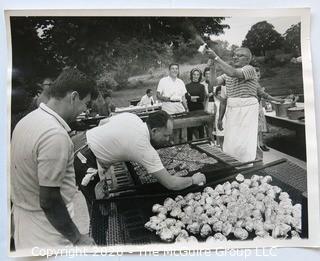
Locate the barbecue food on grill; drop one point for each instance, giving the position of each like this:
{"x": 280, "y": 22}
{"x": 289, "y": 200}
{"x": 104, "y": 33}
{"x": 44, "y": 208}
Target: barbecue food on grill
{"x": 162, "y": 216}
{"x": 188, "y": 210}
{"x": 144, "y": 176}
{"x": 281, "y": 230}
{"x": 295, "y": 234}
{"x": 284, "y": 196}
{"x": 240, "y": 178}
{"x": 216, "y": 237}
{"x": 175, "y": 230}
{"x": 205, "y": 231}
{"x": 155, "y": 208}
{"x": 192, "y": 239}
{"x": 194, "y": 228}
{"x": 297, "y": 211}
{"x": 217, "y": 226}
{"x": 198, "y": 210}
{"x": 166, "y": 235}
{"x": 183, "y": 236}
{"x": 240, "y": 233}
{"x": 178, "y": 160}
{"x": 229, "y": 210}
{"x": 169, "y": 203}
{"x": 151, "y": 226}
{"x": 176, "y": 211}
{"x": 219, "y": 237}
{"x": 226, "y": 228}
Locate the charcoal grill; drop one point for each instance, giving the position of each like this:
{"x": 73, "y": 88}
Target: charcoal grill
{"x": 216, "y": 153}
{"x": 128, "y": 214}
{"x": 120, "y": 219}
{"x": 125, "y": 179}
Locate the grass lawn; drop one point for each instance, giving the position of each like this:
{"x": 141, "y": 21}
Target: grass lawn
{"x": 121, "y": 98}
{"x": 278, "y": 80}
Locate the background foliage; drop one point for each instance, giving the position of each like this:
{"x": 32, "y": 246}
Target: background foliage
{"x": 129, "y": 52}
{"x": 110, "y": 48}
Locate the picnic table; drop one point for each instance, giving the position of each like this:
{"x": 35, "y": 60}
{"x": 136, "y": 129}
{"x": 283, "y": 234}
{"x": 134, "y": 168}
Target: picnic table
{"x": 184, "y": 121}
{"x": 297, "y": 125}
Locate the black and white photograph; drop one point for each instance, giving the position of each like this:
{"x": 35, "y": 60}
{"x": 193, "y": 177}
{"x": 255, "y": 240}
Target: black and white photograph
{"x": 178, "y": 129}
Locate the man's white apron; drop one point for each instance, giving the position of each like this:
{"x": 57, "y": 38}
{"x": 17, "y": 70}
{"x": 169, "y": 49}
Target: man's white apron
{"x": 241, "y": 128}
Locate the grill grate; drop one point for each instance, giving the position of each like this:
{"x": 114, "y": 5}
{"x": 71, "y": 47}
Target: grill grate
{"x": 173, "y": 158}
{"x": 114, "y": 231}
{"x": 133, "y": 212}
{"x": 120, "y": 177}
{"x": 290, "y": 174}
{"x": 216, "y": 153}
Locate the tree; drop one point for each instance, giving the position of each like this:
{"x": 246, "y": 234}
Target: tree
{"x": 262, "y": 37}
{"x": 292, "y": 42}
{"x": 234, "y": 47}
{"x": 121, "y": 46}
{"x": 223, "y": 49}
{"x": 31, "y": 61}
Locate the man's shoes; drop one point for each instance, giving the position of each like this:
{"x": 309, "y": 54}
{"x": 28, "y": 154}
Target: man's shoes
{"x": 264, "y": 148}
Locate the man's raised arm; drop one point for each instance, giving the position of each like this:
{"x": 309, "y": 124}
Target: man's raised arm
{"x": 214, "y": 80}
{"x": 226, "y": 68}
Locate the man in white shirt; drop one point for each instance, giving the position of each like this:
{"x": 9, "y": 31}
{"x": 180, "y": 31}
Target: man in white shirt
{"x": 42, "y": 172}
{"x": 125, "y": 137}
{"x": 171, "y": 92}
{"x": 147, "y": 99}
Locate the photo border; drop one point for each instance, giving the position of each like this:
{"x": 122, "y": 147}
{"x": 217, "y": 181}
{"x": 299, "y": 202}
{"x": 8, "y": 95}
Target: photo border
{"x": 310, "y": 119}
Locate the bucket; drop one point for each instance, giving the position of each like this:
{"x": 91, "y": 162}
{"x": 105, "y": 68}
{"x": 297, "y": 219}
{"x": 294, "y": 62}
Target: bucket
{"x": 295, "y": 113}
{"x": 282, "y": 108}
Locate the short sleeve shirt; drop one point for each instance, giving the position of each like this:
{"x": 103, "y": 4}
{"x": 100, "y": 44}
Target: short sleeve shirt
{"x": 173, "y": 89}
{"x": 223, "y": 91}
{"x": 41, "y": 155}
{"x": 146, "y": 100}
{"x": 241, "y": 88}
{"x": 124, "y": 137}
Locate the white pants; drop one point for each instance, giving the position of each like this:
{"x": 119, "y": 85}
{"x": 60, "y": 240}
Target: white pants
{"x": 241, "y": 128}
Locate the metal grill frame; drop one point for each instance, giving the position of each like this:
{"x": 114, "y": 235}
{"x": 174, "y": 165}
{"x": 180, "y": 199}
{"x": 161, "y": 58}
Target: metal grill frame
{"x": 297, "y": 195}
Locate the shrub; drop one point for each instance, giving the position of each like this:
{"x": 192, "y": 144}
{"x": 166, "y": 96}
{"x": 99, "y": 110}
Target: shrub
{"x": 268, "y": 72}
{"x": 259, "y": 59}
{"x": 106, "y": 81}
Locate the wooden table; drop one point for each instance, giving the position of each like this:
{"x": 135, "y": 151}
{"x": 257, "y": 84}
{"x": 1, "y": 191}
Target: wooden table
{"x": 192, "y": 119}
{"x": 296, "y": 125}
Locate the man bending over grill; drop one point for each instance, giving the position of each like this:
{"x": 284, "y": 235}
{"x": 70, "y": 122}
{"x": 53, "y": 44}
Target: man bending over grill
{"x": 125, "y": 137}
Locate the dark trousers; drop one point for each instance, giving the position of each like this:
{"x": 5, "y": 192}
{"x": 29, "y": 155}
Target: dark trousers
{"x": 80, "y": 169}
{"x": 197, "y": 131}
